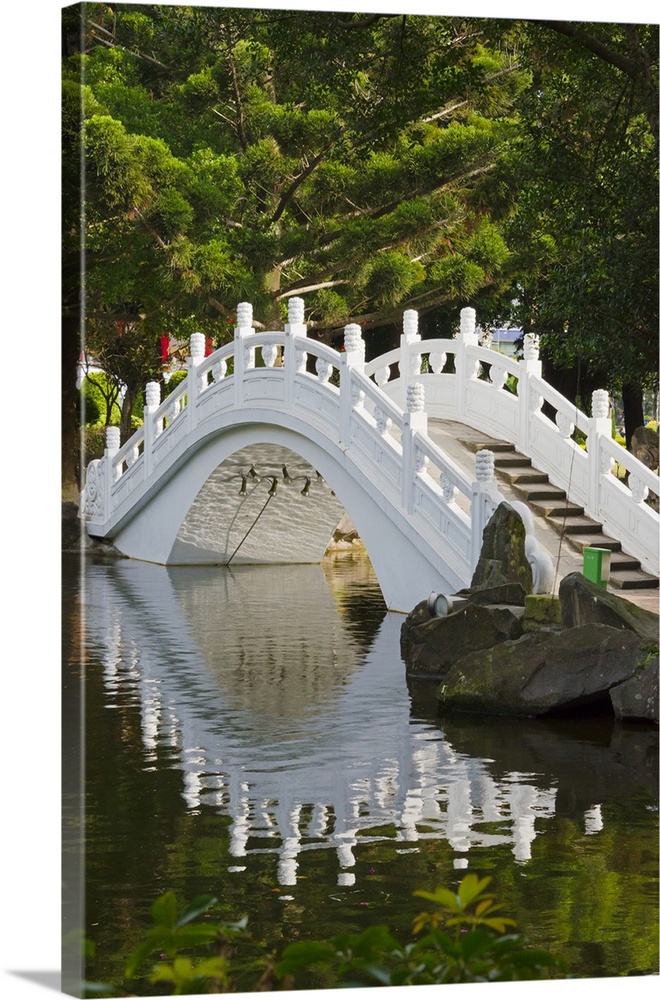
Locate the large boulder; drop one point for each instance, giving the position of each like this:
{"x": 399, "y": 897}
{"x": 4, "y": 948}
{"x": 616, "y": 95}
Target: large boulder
{"x": 583, "y": 602}
{"x": 502, "y": 559}
{"x": 431, "y": 645}
{"x": 544, "y": 671}
{"x": 637, "y": 698}
{"x": 644, "y": 446}
{"x": 505, "y": 593}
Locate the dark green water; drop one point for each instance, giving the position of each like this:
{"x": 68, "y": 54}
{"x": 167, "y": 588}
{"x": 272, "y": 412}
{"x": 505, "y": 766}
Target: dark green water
{"x": 251, "y": 734}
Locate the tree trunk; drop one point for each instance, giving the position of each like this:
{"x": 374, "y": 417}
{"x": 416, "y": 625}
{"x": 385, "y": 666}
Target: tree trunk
{"x": 128, "y": 402}
{"x": 633, "y": 410}
{"x": 71, "y": 456}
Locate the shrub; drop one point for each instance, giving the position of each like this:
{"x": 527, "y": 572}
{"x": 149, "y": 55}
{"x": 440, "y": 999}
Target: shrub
{"x": 99, "y": 390}
{"x": 464, "y": 939}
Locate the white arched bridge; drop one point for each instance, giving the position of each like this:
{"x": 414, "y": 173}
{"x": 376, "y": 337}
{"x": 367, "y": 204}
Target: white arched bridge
{"x": 258, "y": 451}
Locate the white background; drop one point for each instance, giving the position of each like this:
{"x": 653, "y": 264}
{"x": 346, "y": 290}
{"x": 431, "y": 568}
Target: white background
{"x": 30, "y": 494}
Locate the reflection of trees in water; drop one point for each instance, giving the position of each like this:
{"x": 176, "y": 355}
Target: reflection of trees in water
{"x": 270, "y": 637}
{"x": 593, "y": 761}
{"x": 357, "y": 594}
{"x": 155, "y": 780}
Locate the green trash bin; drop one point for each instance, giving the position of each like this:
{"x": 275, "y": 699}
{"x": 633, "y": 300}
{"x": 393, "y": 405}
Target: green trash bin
{"x": 596, "y": 565}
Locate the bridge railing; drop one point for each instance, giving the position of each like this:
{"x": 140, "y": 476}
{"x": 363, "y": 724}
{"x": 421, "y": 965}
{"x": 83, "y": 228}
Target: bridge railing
{"x": 383, "y": 421}
{"x": 510, "y": 399}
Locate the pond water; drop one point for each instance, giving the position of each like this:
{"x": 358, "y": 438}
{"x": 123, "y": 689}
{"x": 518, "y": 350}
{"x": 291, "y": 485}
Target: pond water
{"x": 249, "y": 733}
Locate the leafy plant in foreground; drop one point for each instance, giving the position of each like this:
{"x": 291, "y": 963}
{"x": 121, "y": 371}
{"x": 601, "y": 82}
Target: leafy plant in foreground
{"x": 479, "y": 948}
{"x": 464, "y": 939}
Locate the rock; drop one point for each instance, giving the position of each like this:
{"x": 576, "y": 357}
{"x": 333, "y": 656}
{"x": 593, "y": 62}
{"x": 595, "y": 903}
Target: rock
{"x": 637, "y": 698}
{"x": 644, "y": 446}
{"x": 502, "y": 559}
{"x": 541, "y": 611}
{"x": 544, "y": 671}
{"x": 583, "y": 602}
{"x": 506, "y": 593}
{"x": 430, "y": 646}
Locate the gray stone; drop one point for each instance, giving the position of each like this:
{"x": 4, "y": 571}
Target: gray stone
{"x": 637, "y": 698}
{"x": 644, "y": 446}
{"x": 505, "y": 593}
{"x": 502, "y": 559}
{"x": 430, "y": 646}
{"x": 583, "y": 602}
{"x": 543, "y": 671}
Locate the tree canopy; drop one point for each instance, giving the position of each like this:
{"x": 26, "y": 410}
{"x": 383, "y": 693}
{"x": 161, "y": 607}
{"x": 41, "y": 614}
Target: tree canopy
{"x": 369, "y": 162}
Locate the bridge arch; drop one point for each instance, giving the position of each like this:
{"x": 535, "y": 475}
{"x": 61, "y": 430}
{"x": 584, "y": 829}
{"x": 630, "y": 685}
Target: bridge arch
{"x": 407, "y": 569}
{"x": 420, "y": 516}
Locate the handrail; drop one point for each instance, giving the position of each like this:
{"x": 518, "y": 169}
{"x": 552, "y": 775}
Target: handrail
{"x": 366, "y": 397}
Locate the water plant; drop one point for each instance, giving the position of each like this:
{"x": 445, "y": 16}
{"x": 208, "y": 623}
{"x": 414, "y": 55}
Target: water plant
{"x": 463, "y": 939}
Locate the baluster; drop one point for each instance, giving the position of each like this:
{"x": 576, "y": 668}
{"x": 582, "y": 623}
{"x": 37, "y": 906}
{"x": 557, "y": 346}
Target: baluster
{"x": 383, "y": 422}
{"x": 448, "y": 487}
{"x": 382, "y": 375}
{"x": 219, "y": 370}
{"x": 269, "y": 354}
{"x": 437, "y": 361}
{"x": 498, "y": 376}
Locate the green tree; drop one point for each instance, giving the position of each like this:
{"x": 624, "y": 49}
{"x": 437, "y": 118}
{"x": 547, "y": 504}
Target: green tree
{"x": 244, "y": 154}
{"x": 584, "y": 233}
{"x": 368, "y": 162}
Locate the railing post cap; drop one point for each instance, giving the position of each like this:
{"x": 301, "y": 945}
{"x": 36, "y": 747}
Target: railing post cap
{"x": 197, "y": 345}
{"x": 112, "y": 439}
{"x": 484, "y": 466}
{"x": 296, "y": 311}
{"x": 530, "y": 347}
{"x": 152, "y": 394}
{"x": 243, "y": 315}
{"x": 410, "y": 323}
{"x": 600, "y": 404}
{"x": 415, "y": 397}
{"x": 353, "y": 338}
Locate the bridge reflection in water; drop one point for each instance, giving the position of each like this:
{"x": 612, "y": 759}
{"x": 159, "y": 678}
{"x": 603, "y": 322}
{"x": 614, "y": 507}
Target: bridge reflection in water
{"x": 289, "y": 715}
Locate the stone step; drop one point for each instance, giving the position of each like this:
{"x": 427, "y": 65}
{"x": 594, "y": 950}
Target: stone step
{"x": 491, "y": 445}
{"x": 578, "y": 525}
{"x": 620, "y": 562}
{"x": 633, "y": 580}
{"x": 549, "y": 502}
{"x": 513, "y": 461}
{"x": 522, "y": 478}
{"x": 561, "y": 509}
{"x": 598, "y": 541}
{"x": 497, "y": 447}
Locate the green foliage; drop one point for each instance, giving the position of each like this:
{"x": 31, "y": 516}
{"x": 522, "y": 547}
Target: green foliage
{"x": 479, "y": 950}
{"x": 424, "y": 162}
{"x": 173, "y": 932}
{"x": 99, "y": 394}
{"x": 463, "y": 940}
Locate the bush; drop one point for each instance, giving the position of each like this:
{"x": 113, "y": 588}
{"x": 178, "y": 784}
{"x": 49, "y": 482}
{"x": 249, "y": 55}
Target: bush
{"x": 95, "y": 392}
{"x": 464, "y": 939}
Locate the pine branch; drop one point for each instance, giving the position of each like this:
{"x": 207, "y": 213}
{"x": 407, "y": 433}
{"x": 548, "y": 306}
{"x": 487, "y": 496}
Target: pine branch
{"x": 295, "y": 184}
